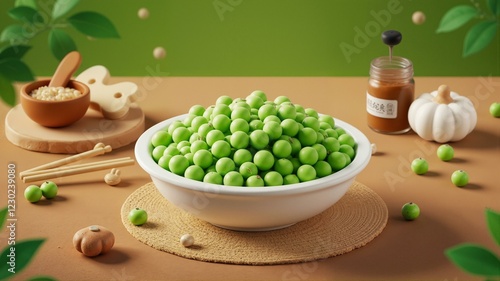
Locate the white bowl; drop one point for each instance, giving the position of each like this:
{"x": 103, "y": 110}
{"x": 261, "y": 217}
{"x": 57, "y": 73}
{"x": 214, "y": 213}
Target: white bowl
{"x": 252, "y": 208}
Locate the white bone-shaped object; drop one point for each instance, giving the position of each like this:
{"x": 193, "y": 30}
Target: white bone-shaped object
{"x": 112, "y": 100}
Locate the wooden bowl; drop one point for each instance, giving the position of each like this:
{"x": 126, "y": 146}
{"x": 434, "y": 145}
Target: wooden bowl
{"x": 55, "y": 113}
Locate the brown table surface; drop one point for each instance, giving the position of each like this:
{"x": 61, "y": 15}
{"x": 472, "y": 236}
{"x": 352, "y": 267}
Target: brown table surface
{"x": 405, "y": 250}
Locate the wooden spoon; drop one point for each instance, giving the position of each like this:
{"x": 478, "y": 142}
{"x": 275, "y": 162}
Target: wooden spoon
{"x": 68, "y": 65}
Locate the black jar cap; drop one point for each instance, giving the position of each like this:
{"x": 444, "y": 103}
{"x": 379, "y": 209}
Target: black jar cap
{"x": 391, "y": 37}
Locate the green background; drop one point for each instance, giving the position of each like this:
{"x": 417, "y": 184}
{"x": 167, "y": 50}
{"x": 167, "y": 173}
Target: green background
{"x": 266, "y": 38}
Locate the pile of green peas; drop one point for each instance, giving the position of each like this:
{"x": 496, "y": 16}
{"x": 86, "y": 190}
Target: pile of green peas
{"x": 253, "y": 142}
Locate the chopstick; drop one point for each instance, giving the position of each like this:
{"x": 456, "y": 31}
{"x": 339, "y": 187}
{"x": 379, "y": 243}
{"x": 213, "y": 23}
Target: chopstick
{"x": 63, "y": 168}
{"x": 79, "y": 169}
{"x": 98, "y": 149}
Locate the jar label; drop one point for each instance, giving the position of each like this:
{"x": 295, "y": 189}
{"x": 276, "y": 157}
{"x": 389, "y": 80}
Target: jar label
{"x": 381, "y": 108}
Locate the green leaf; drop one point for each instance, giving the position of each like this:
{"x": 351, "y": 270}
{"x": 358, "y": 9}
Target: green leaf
{"x": 3, "y": 212}
{"x": 14, "y": 51}
{"x": 7, "y": 91}
{"x": 62, "y": 7}
{"x": 479, "y": 36}
{"x": 14, "y": 34}
{"x": 474, "y": 259}
{"x": 27, "y": 3}
{"x": 25, "y": 13}
{"x": 24, "y": 250}
{"x": 494, "y": 7}
{"x": 41, "y": 278}
{"x": 93, "y": 24}
{"x": 456, "y": 17}
{"x": 15, "y": 70}
{"x": 493, "y": 221}
{"x": 60, "y": 43}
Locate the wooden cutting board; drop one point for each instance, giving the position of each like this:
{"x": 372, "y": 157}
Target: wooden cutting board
{"x": 78, "y": 137}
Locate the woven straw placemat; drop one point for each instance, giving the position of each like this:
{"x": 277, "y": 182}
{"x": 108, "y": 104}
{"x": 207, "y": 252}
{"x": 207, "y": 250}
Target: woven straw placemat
{"x": 352, "y": 222}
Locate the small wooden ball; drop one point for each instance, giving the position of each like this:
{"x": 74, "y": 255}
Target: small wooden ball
{"x": 187, "y": 240}
{"x": 418, "y": 18}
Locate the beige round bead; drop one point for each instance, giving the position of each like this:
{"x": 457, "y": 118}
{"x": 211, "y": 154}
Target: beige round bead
{"x": 143, "y": 13}
{"x": 418, "y": 17}
{"x": 187, "y": 240}
{"x": 159, "y": 52}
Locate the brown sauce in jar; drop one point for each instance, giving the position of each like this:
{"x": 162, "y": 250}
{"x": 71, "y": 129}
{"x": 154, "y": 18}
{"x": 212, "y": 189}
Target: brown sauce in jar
{"x": 389, "y": 95}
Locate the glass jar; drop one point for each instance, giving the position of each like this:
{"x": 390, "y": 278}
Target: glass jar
{"x": 390, "y": 93}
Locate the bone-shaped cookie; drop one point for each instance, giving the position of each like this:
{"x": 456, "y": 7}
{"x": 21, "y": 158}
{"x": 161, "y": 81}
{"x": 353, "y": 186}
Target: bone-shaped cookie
{"x": 112, "y": 100}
